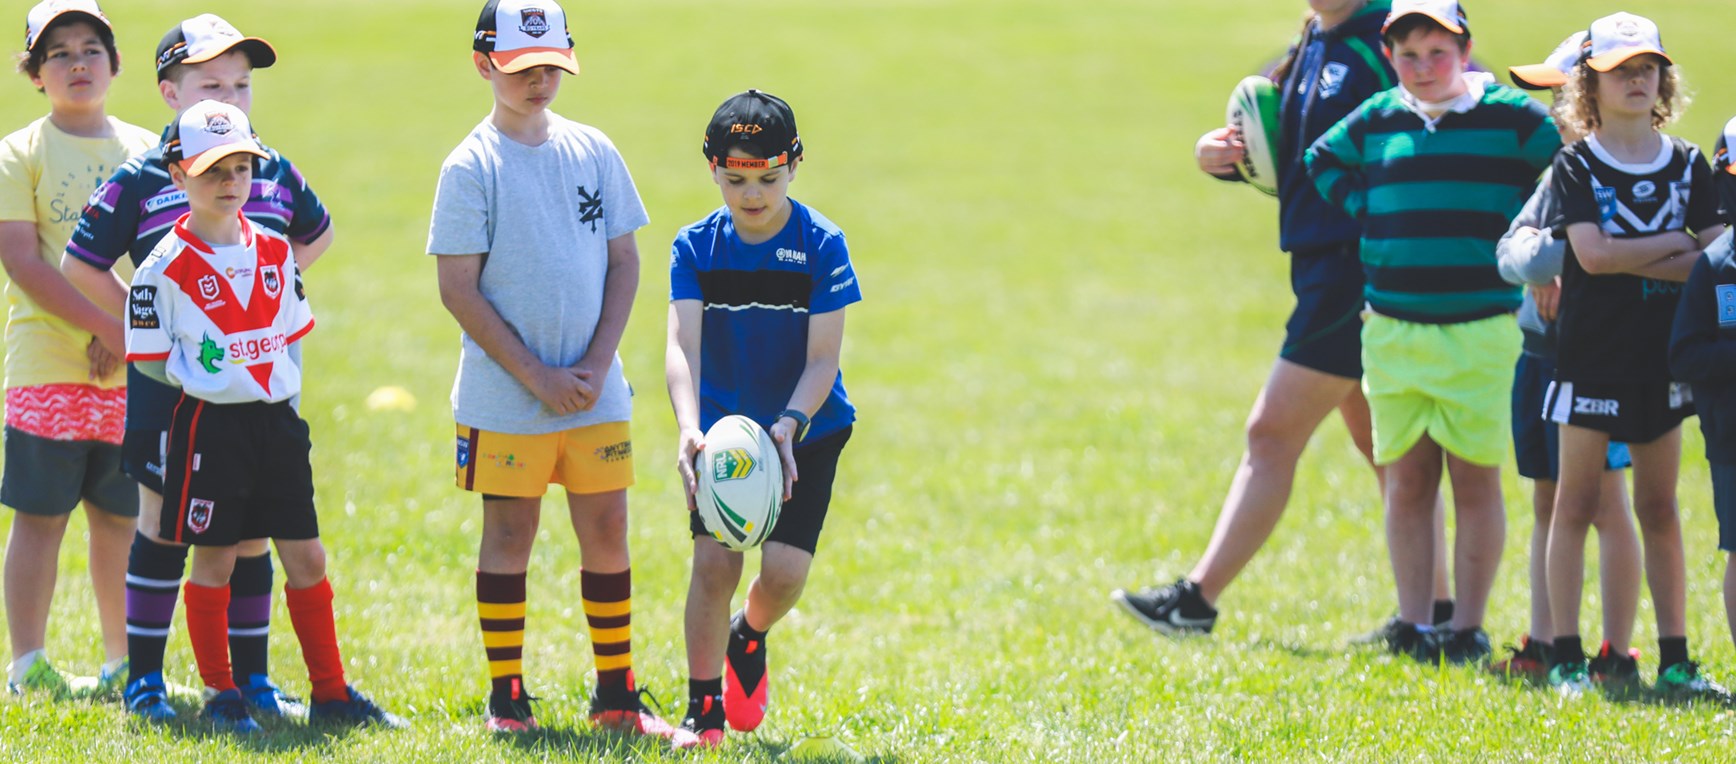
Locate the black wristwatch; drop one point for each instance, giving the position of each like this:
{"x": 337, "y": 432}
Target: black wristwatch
{"x": 801, "y": 422}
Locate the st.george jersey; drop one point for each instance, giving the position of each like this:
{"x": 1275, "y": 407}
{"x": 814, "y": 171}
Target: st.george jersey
{"x": 222, "y": 318}
{"x": 1616, "y": 327}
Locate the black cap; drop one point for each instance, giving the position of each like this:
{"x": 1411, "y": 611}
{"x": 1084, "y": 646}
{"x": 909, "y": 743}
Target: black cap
{"x": 207, "y": 36}
{"x": 759, "y": 122}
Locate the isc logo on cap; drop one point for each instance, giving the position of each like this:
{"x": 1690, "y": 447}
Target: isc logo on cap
{"x": 745, "y": 129}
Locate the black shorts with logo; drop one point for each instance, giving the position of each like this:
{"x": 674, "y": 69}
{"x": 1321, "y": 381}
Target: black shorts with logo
{"x": 236, "y": 471}
{"x": 810, "y": 498}
{"x": 1630, "y": 412}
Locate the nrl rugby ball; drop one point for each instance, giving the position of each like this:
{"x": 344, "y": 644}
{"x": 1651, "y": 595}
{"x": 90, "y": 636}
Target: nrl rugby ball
{"x": 1253, "y": 115}
{"x": 741, "y": 483}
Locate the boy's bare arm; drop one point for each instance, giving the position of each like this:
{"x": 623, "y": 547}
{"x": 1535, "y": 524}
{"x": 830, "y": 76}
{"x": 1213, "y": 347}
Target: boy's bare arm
{"x": 619, "y": 288}
{"x": 565, "y": 391}
{"x": 681, "y": 374}
{"x": 305, "y": 254}
{"x": 1599, "y": 253}
{"x": 49, "y": 289}
{"x": 103, "y": 287}
{"x": 1677, "y": 265}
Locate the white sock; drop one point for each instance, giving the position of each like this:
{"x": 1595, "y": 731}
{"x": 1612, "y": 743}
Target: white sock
{"x": 22, "y": 664}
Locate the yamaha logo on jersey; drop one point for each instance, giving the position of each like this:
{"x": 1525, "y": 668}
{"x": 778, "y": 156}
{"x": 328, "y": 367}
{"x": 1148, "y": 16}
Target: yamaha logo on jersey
{"x": 199, "y": 513}
{"x": 208, "y": 286}
{"x": 271, "y": 280}
{"x": 533, "y": 22}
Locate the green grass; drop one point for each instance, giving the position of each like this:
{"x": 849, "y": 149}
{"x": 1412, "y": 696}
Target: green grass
{"x": 1065, "y": 326}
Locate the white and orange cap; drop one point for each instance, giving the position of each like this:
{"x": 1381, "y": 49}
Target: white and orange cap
{"x": 207, "y": 36}
{"x": 1554, "y": 70}
{"x": 47, "y": 12}
{"x": 519, "y": 34}
{"x": 1447, "y": 13}
{"x": 1619, "y": 37}
{"x": 206, "y": 132}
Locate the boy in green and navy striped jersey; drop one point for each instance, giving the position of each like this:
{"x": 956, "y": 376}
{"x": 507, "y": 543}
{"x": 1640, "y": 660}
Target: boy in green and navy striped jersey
{"x": 1435, "y": 169}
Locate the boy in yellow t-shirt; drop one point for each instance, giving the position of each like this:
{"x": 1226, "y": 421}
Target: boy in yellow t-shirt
{"x": 65, "y": 397}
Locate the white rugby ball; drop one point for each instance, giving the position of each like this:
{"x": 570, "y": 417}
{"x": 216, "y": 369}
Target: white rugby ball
{"x": 1253, "y": 115}
{"x": 741, "y": 483}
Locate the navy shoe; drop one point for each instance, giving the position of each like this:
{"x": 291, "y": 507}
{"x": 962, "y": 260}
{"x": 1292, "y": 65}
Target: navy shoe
{"x": 356, "y": 711}
{"x": 228, "y": 712}
{"x": 147, "y": 697}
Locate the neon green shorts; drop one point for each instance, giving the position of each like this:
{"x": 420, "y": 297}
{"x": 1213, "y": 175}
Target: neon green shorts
{"x": 1451, "y": 382}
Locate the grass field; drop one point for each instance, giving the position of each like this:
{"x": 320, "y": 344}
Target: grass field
{"x": 1065, "y": 325}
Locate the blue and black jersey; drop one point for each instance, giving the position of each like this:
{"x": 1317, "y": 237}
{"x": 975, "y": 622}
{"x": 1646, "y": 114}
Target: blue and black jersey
{"x": 757, "y": 299}
{"x": 1703, "y": 347}
{"x": 1333, "y": 72}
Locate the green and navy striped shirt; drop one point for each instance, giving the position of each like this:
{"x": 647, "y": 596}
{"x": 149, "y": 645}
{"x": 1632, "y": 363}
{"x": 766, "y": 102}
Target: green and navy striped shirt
{"x": 1435, "y": 198}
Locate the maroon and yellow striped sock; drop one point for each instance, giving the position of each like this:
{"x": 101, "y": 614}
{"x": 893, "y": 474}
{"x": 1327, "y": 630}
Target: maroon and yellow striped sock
{"x": 609, "y": 612}
{"x": 500, "y": 603}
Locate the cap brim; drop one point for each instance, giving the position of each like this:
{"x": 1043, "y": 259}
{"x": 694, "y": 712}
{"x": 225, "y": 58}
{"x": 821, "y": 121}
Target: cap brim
{"x": 1537, "y": 76}
{"x": 1452, "y": 25}
{"x": 259, "y": 53}
{"x": 1609, "y": 61}
{"x": 519, "y": 60}
{"x": 197, "y": 165}
{"x": 61, "y": 16}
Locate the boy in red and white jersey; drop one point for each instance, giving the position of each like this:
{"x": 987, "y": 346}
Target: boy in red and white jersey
{"x": 213, "y": 312}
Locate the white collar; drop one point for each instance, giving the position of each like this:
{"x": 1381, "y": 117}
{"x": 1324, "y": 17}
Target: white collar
{"x": 1476, "y": 83}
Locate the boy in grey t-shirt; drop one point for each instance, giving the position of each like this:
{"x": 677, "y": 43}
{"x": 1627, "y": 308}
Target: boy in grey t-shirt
{"x": 533, "y": 228}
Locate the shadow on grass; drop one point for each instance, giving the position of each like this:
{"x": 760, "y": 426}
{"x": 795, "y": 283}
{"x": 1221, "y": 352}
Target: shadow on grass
{"x": 761, "y": 749}
{"x": 275, "y": 735}
{"x": 1298, "y": 650}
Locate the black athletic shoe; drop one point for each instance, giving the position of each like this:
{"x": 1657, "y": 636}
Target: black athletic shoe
{"x": 1467, "y": 646}
{"x": 1410, "y": 639}
{"x": 1379, "y": 636}
{"x": 1618, "y": 675}
{"x": 1176, "y": 609}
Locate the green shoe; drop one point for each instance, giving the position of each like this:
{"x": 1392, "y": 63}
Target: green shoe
{"x": 106, "y": 685}
{"x": 1683, "y": 682}
{"x": 43, "y": 678}
{"x": 1570, "y": 680}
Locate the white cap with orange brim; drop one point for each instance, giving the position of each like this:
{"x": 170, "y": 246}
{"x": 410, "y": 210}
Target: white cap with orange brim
{"x": 519, "y": 34}
{"x": 1621, "y": 36}
{"x": 207, "y": 132}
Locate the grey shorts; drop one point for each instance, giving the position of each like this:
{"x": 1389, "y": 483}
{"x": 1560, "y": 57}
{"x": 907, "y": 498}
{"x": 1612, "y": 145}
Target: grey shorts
{"x": 49, "y": 477}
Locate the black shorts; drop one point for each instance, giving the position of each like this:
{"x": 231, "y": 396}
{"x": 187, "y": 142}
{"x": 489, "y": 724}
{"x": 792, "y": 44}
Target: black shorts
{"x": 1536, "y": 440}
{"x": 1324, "y": 332}
{"x": 803, "y": 515}
{"x": 1724, "y": 503}
{"x": 142, "y": 457}
{"x": 1631, "y": 412}
{"x": 237, "y": 471}
{"x": 50, "y": 477}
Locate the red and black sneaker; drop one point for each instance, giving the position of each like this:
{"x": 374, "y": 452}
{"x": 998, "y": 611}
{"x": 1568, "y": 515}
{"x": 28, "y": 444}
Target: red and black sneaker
{"x": 746, "y": 694}
{"x": 510, "y": 711}
{"x": 703, "y": 727}
{"x": 1530, "y": 660}
{"x": 1616, "y": 674}
{"x": 623, "y": 709}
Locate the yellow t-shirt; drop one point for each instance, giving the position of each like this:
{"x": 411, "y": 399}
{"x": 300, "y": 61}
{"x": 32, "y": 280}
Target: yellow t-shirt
{"x": 46, "y": 176}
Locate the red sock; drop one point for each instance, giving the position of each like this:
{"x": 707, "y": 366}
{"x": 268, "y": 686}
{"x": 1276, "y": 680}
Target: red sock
{"x": 310, "y": 610}
{"x": 208, "y": 630}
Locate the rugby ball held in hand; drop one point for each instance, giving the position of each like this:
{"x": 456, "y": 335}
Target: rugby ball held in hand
{"x": 1253, "y": 115}
{"x": 741, "y": 483}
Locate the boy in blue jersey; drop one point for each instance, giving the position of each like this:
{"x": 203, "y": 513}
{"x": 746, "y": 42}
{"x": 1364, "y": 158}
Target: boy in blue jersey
{"x": 756, "y": 322}
{"x": 201, "y": 58}
{"x": 1703, "y": 354}
{"x": 1436, "y": 168}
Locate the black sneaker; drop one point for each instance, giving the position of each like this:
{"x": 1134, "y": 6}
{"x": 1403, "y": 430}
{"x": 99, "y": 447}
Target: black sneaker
{"x": 1176, "y": 609}
{"x": 510, "y": 711}
{"x": 1683, "y": 682}
{"x": 1380, "y": 636}
{"x": 1618, "y": 675}
{"x": 1466, "y": 646}
{"x": 1410, "y": 639}
{"x": 703, "y": 727}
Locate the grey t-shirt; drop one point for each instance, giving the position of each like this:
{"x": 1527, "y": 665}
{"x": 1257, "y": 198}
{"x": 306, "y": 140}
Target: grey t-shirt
{"x": 544, "y": 216}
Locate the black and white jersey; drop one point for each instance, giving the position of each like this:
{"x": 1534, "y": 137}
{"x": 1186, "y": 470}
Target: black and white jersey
{"x": 1616, "y": 327}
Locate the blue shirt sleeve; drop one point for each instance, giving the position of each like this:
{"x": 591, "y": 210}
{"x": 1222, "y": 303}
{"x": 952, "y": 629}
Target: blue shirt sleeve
{"x": 834, "y": 277}
{"x": 683, "y": 271}
{"x": 110, "y": 221}
{"x": 310, "y": 218}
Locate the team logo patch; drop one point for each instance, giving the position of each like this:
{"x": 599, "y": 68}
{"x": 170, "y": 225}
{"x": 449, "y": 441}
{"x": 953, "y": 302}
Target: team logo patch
{"x": 463, "y": 453}
{"x": 271, "y": 280}
{"x": 1726, "y": 305}
{"x": 210, "y": 353}
{"x": 217, "y": 123}
{"x": 1332, "y": 79}
{"x": 615, "y": 452}
{"x": 733, "y": 464}
{"x": 590, "y": 207}
{"x": 533, "y": 22}
{"x": 199, "y": 513}
{"x": 208, "y": 286}
{"x": 1605, "y": 202}
{"x": 1645, "y": 190}
{"x": 142, "y": 308}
